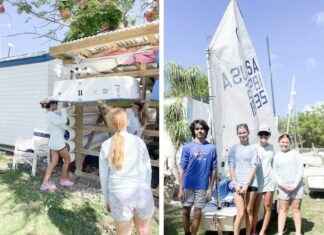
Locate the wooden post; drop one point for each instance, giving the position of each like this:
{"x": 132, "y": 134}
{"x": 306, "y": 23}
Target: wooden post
{"x": 78, "y": 138}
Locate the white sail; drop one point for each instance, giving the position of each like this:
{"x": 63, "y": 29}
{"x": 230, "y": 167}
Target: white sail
{"x": 238, "y": 94}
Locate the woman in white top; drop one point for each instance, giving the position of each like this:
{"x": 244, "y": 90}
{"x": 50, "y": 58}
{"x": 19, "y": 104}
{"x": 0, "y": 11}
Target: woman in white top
{"x": 138, "y": 118}
{"x": 266, "y": 183}
{"x": 125, "y": 177}
{"x": 56, "y": 144}
{"x": 288, "y": 172}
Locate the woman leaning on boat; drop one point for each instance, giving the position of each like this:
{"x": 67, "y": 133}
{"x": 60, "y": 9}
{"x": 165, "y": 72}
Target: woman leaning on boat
{"x": 288, "y": 172}
{"x": 243, "y": 161}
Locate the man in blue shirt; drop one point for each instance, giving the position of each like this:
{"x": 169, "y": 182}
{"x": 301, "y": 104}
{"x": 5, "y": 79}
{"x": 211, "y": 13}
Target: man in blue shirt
{"x": 197, "y": 175}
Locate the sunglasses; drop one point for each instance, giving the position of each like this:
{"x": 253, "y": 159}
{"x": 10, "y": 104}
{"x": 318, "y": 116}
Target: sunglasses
{"x": 199, "y": 128}
{"x": 263, "y": 133}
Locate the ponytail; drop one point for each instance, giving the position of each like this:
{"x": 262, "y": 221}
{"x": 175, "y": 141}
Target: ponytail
{"x": 117, "y": 120}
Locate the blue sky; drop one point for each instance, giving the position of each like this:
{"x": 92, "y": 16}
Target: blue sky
{"x": 28, "y": 43}
{"x": 22, "y": 44}
{"x": 295, "y": 30}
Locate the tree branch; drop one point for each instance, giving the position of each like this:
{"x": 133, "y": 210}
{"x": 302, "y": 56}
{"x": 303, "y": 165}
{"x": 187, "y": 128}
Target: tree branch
{"x": 34, "y": 33}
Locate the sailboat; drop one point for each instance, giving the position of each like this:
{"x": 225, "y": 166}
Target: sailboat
{"x": 238, "y": 95}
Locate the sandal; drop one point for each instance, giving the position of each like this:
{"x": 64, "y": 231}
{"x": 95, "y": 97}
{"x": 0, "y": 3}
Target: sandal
{"x": 47, "y": 187}
{"x": 66, "y": 183}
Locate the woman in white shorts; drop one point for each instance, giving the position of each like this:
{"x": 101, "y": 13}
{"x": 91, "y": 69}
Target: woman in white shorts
{"x": 56, "y": 144}
{"x": 288, "y": 172}
{"x": 266, "y": 183}
{"x": 125, "y": 177}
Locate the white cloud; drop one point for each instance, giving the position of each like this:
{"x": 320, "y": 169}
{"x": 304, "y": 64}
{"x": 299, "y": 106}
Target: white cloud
{"x": 311, "y": 63}
{"x": 310, "y": 107}
{"x": 319, "y": 18}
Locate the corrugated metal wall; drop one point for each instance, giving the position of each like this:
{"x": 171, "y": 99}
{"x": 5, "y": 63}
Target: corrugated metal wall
{"x": 21, "y": 89}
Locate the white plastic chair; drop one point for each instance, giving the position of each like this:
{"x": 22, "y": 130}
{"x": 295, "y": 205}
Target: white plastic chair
{"x": 28, "y": 151}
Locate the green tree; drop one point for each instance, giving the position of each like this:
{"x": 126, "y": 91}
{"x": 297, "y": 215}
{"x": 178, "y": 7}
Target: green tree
{"x": 52, "y": 18}
{"x": 202, "y": 88}
{"x": 310, "y": 127}
{"x": 182, "y": 82}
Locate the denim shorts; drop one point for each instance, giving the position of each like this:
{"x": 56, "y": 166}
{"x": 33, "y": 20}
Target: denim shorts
{"x": 194, "y": 197}
{"x": 124, "y": 205}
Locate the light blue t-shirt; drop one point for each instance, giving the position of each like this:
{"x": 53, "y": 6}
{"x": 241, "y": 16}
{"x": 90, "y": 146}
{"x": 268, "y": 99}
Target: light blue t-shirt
{"x": 198, "y": 161}
{"x": 242, "y": 158}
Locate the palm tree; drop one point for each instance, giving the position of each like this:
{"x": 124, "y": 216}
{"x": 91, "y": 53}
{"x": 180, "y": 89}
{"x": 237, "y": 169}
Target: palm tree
{"x": 182, "y": 82}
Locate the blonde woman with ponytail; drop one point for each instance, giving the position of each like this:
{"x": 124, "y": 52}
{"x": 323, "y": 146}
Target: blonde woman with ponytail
{"x": 125, "y": 177}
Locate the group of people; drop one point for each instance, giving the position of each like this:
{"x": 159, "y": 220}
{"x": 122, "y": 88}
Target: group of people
{"x": 124, "y": 165}
{"x": 256, "y": 172}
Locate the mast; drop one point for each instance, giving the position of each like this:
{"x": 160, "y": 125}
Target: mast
{"x": 213, "y": 131}
{"x": 291, "y": 103}
{"x": 271, "y": 82}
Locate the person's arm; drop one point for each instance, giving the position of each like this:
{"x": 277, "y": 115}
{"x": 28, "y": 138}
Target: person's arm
{"x": 254, "y": 163}
{"x": 183, "y": 166}
{"x": 232, "y": 165}
{"x": 276, "y": 175}
{"x": 146, "y": 161}
{"x": 213, "y": 174}
{"x": 103, "y": 173}
{"x": 300, "y": 171}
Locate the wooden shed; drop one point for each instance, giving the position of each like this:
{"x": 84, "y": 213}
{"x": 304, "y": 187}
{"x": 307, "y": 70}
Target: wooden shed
{"x": 127, "y": 41}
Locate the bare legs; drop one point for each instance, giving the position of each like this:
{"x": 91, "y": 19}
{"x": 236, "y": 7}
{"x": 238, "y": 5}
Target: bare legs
{"x": 143, "y": 227}
{"x": 239, "y": 202}
{"x": 64, "y": 153}
{"x": 196, "y": 221}
{"x": 250, "y": 199}
{"x": 50, "y": 168}
{"x": 268, "y": 197}
{"x": 296, "y": 204}
{"x": 283, "y": 210}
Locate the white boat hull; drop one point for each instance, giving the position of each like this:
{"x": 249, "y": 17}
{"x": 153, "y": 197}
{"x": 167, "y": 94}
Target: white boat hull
{"x": 94, "y": 89}
{"x": 225, "y": 216}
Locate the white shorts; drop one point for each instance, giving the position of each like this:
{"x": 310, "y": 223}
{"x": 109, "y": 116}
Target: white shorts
{"x": 298, "y": 193}
{"x": 125, "y": 204}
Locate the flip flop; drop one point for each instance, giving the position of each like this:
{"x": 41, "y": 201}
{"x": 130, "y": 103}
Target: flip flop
{"x": 66, "y": 183}
{"x": 47, "y": 187}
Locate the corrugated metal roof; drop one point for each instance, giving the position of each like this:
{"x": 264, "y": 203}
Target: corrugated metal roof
{"x": 30, "y": 58}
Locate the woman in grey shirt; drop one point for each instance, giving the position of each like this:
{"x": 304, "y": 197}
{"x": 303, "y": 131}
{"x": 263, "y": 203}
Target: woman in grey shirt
{"x": 288, "y": 172}
{"x": 243, "y": 161}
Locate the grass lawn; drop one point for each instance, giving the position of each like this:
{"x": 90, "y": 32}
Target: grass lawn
{"x": 312, "y": 218}
{"x": 24, "y": 209}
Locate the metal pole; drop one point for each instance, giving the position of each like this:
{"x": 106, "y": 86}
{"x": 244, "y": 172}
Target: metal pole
{"x": 291, "y": 103}
{"x": 271, "y": 82}
{"x": 211, "y": 104}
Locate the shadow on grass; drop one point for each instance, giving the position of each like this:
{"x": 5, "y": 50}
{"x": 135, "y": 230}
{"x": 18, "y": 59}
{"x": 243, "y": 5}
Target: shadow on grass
{"x": 81, "y": 221}
{"x": 316, "y": 195}
{"x": 172, "y": 220}
{"x": 19, "y": 192}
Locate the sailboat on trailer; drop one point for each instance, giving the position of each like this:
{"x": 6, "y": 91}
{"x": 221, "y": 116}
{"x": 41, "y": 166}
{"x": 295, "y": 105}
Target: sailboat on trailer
{"x": 238, "y": 95}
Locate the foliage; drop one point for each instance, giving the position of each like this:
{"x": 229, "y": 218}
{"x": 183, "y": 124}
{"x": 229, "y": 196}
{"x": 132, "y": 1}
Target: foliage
{"x": 84, "y": 18}
{"x": 310, "y": 127}
{"x": 202, "y": 88}
{"x": 27, "y": 210}
{"x": 183, "y": 81}
{"x": 175, "y": 123}
{"x": 93, "y": 17}
{"x": 312, "y": 219}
